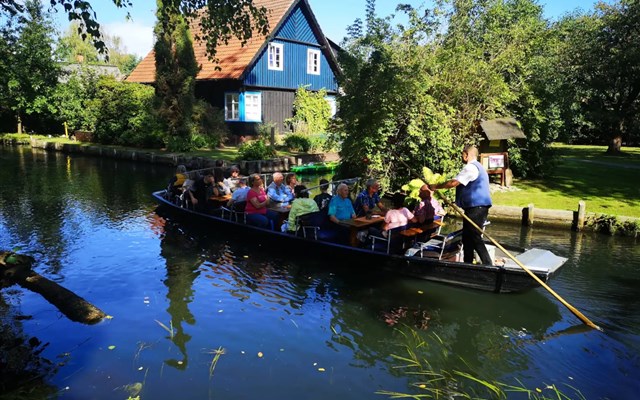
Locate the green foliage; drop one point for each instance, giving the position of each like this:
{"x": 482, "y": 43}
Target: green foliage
{"x": 597, "y": 65}
{"x": 28, "y": 72}
{"x": 419, "y": 359}
{"x": 72, "y": 44}
{"x": 311, "y": 111}
{"x": 71, "y": 100}
{"x": 124, "y": 114}
{"x": 389, "y": 122}
{"x": 220, "y": 22}
{"x": 415, "y": 92}
{"x": 297, "y": 142}
{"x": 255, "y": 150}
{"x": 208, "y": 125}
{"x": 176, "y": 71}
{"x": 412, "y": 188}
{"x": 612, "y": 225}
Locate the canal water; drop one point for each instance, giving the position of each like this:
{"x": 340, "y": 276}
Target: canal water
{"x": 199, "y": 314}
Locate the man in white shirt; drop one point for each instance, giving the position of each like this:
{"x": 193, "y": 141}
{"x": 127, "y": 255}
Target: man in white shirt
{"x": 473, "y": 196}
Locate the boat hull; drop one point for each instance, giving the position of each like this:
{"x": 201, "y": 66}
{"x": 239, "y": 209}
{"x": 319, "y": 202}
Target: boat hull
{"x": 483, "y": 277}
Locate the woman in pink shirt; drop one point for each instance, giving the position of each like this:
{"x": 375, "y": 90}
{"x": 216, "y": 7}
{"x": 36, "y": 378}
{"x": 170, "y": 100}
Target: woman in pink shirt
{"x": 398, "y": 216}
{"x": 257, "y": 202}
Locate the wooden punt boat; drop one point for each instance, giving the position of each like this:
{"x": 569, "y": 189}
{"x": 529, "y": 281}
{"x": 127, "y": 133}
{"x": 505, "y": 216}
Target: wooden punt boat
{"x": 500, "y": 279}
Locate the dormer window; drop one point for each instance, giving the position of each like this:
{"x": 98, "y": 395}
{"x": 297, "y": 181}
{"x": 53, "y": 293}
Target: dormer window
{"x": 313, "y": 61}
{"x": 275, "y": 52}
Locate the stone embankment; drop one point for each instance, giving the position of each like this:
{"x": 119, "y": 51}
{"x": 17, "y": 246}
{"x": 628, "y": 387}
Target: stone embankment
{"x": 174, "y": 159}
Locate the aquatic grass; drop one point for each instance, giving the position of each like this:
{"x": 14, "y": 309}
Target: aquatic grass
{"x": 216, "y": 356}
{"x": 430, "y": 382}
{"x": 169, "y": 328}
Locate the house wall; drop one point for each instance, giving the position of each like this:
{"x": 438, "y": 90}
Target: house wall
{"x": 296, "y": 36}
{"x": 277, "y": 105}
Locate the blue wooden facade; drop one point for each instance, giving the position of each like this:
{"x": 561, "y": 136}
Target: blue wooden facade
{"x": 298, "y": 37}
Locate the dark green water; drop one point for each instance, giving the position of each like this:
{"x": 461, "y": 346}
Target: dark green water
{"x": 290, "y": 327}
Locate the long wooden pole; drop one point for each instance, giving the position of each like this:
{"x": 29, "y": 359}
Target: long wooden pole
{"x": 571, "y": 308}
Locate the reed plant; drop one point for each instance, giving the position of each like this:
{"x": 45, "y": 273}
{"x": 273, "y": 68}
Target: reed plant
{"x": 428, "y": 381}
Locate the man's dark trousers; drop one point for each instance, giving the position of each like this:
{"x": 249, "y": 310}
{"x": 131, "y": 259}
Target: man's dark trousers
{"x": 472, "y": 238}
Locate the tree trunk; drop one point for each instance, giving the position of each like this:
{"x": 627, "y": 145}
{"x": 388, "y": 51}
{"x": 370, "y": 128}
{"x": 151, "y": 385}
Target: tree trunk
{"x": 615, "y": 145}
{"x": 15, "y": 268}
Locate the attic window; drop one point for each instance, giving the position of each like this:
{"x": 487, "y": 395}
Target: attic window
{"x": 313, "y": 61}
{"x": 275, "y": 56}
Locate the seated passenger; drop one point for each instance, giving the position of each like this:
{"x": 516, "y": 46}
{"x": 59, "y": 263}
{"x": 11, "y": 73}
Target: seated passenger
{"x": 240, "y": 194}
{"x": 231, "y": 181}
{"x": 279, "y": 192}
{"x": 200, "y": 191}
{"x": 257, "y": 203}
{"x": 398, "y": 216}
{"x": 428, "y": 208}
{"x": 291, "y": 181}
{"x": 220, "y": 188}
{"x": 323, "y": 199}
{"x": 368, "y": 199}
{"x": 340, "y": 206}
{"x": 176, "y": 181}
{"x": 300, "y": 206}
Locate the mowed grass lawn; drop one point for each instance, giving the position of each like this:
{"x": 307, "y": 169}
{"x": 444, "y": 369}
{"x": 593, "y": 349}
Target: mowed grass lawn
{"x": 608, "y": 184}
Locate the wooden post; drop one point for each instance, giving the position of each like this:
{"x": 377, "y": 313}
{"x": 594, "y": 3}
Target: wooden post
{"x": 66, "y": 130}
{"x": 580, "y": 215}
{"x": 527, "y": 215}
{"x": 272, "y": 136}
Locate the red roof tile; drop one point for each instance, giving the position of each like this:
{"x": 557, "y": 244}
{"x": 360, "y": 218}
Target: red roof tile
{"x": 233, "y": 58}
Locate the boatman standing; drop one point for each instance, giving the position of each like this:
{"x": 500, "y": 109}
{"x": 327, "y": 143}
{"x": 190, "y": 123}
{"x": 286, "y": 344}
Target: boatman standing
{"x": 472, "y": 195}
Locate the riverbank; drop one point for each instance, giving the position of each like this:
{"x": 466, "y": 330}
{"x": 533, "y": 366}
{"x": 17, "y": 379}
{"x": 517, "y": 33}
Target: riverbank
{"x": 509, "y": 205}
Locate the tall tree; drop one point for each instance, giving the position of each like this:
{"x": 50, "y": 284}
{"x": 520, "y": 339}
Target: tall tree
{"x": 176, "y": 71}
{"x": 30, "y": 72}
{"x": 72, "y": 48}
{"x": 600, "y": 68}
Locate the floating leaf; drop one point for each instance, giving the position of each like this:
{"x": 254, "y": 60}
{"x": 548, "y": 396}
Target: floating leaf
{"x": 422, "y": 386}
{"x": 321, "y": 369}
{"x": 260, "y": 355}
{"x": 111, "y": 347}
{"x": 420, "y": 292}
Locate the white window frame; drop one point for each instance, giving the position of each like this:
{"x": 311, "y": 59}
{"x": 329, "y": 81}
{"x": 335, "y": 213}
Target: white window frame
{"x": 275, "y": 54}
{"x": 232, "y": 106}
{"x": 253, "y": 100}
{"x": 313, "y": 61}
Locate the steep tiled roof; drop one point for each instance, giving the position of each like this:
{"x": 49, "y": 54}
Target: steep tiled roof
{"x": 233, "y": 57}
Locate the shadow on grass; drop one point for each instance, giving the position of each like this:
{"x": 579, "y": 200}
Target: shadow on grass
{"x": 575, "y": 178}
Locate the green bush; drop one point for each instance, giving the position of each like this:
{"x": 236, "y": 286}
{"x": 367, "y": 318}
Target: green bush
{"x": 297, "y": 142}
{"x": 611, "y": 225}
{"x": 256, "y": 150}
{"x": 209, "y": 128}
{"x": 124, "y": 114}
{"x": 312, "y": 112}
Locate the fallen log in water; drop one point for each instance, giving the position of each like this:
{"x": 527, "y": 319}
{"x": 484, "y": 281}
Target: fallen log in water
{"x": 16, "y": 268}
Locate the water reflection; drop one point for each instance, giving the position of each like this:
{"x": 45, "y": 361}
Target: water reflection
{"x": 182, "y": 262}
{"x": 95, "y": 231}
